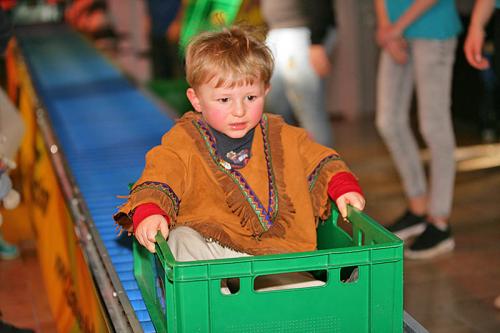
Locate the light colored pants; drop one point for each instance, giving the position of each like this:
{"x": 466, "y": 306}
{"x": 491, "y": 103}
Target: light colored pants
{"x": 430, "y": 68}
{"x": 296, "y": 90}
{"x": 187, "y": 244}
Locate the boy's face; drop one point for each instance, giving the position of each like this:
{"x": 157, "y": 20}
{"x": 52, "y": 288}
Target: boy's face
{"x": 230, "y": 110}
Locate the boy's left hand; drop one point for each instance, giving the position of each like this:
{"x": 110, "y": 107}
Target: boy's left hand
{"x": 355, "y": 199}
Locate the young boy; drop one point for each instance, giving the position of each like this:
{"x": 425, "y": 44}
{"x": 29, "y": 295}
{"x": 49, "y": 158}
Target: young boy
{"x": 228, "y": 180}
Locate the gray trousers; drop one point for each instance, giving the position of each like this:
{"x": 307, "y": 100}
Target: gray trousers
{"x": 187, "y": 244}
{"x": 295, "y": 87}
{"x": 430, "y": 69}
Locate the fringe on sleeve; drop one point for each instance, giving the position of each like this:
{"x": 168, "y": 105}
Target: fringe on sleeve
{"x": 148, "y": 192}
{"x": 318, "y": 184}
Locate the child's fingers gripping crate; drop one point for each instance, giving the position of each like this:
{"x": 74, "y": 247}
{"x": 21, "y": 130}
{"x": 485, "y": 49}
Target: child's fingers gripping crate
{"x": 372, "y": 301}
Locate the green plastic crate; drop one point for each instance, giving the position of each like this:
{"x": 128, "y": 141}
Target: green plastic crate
{"x": 195, "y": 303}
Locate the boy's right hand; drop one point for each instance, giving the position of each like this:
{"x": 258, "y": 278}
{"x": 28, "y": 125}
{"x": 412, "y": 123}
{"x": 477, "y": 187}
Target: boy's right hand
{"x": 147, "y": 230}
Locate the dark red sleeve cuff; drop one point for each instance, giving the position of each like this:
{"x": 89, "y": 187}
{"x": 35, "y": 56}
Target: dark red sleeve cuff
{"x": 342, "y": 183}
{"x": 146, "y": 210}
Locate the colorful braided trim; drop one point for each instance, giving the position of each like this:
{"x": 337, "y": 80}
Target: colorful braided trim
{"x": 162, "y": 187}
{"x": 265, "y": 216}
{"x": 313, "y": 176}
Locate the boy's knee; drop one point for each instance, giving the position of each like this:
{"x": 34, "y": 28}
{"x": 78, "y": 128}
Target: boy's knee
{"x": 186, "y": 244}
{"x": 181, "y": 235}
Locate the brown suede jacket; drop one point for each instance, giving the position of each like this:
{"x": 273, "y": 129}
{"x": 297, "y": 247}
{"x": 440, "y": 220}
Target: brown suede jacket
{"x": 272, "y": 205}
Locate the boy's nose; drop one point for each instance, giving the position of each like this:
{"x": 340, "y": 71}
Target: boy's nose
{"x": 239, "y": 110}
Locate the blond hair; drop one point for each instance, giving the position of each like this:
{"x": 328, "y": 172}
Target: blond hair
{"x": 233, "y": 56}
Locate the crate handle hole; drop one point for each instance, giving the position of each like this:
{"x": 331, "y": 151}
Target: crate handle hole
{"x": 293, "y": 280}
{"x": 349, "y": 274}
{"x": 230, "y": 286}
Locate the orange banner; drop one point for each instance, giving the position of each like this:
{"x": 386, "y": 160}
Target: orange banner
{"x": 73, "y": 296}
{"x": 11, "y": 70}
{"x": 68, "y": 281}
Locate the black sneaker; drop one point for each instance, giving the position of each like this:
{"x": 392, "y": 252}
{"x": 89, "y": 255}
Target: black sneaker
{"x": 432, "y": 242}
{"x": 408, "y": 225}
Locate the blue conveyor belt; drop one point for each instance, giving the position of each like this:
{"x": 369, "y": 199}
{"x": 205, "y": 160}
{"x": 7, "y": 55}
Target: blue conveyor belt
{"x": 104, "y": 126}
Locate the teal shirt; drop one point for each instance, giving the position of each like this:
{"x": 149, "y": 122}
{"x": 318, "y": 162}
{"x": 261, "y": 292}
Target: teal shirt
{"x": 497, "y": 4}
{"x": 441, "y": 21}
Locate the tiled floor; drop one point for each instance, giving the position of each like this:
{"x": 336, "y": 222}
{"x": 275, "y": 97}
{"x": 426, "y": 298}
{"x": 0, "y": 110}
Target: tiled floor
{"x": 451, "y": 294}
{"x": 23, "y": 301}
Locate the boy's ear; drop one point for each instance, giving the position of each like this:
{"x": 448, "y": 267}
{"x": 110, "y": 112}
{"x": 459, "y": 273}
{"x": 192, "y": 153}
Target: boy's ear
{"x": 268, "y": 89}
{"x": 195, "y": 101}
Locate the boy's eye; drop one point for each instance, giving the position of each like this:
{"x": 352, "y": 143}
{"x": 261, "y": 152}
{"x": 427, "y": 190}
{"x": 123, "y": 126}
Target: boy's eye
{"x": 223, "y": 100}
{"x": 251, "y": 98}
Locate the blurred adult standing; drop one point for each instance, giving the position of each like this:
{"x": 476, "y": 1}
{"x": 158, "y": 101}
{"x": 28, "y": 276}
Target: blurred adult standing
{"x": 165, "y": 57}
{"x": 297, "y": 32}
{"x": 473, "y": 48}
{"x": 418, "y": 41}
